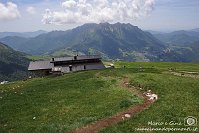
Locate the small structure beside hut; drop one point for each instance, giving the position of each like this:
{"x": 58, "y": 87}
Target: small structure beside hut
{"x": 66, "y": 64}
{"x": 4, "y": 82}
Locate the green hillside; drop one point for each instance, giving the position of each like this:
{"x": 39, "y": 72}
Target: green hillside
{"x": 178, "y": 99}
{"x": 64, "y": 103}
{"x": 188, "y": 53}
{"x": 112, "y": 41}
{"x": 61, "y": 104}
{"x": 13, "y": 64}
{"x": 123, "y": 41}
{"x": 14, "y": 42}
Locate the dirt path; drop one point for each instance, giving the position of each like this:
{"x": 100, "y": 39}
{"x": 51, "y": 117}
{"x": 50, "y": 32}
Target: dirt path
{"x": 97, "y": 126}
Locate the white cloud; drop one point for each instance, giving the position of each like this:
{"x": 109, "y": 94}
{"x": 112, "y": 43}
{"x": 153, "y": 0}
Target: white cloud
{"x": 86, "y": 11}
{"x": 9, "y": 11}
{"x": 70, "y": 4}
{"x": 31, "y": 10}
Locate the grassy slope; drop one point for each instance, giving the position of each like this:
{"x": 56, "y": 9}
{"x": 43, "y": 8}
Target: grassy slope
{"x": 178, "y": 98}
{"x": 60, "y": 104}
{"x": 164, "y": 66}
{"x": 64, "y": 103}
{"x": 35, "y": 58}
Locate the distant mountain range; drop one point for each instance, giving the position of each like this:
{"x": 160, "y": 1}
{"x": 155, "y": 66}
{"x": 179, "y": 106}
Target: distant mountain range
{"x": 183, "y": 45}
{"x": 112, "y": 41}
{"x": 178, "y": 38}
{"x": 14, "y": 42}
{"x": 22, "y": 34}
{"x": 122, "y": 41}
{"x": 13, "y": 64}
{"x": 196, "y": 30}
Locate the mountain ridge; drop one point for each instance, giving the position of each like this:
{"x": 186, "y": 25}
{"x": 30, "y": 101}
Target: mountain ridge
{"x": 117, "y": 41}
{"x": 112, "y": 40}
{"x": 178, "y": 38}
{"x": 22, "y": 34}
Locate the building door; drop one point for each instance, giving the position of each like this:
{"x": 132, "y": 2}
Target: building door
{"x": 70, "y": 68}
{"x": 84, "y": 67}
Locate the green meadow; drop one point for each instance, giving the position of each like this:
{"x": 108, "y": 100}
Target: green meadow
{"x": 60, "y": 104}
{"x": 178, "y": 98}
{"x": 64, "y": 103}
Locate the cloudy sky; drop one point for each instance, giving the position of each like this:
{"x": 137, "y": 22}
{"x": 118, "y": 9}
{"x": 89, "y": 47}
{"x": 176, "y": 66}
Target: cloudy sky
{"x": 160, "y": 15}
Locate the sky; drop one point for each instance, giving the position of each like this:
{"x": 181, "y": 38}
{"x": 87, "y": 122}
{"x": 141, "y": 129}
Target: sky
{"x": 157, "y": 15}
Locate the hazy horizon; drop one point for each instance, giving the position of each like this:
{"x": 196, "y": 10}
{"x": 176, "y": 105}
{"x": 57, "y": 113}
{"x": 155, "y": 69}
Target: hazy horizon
{"x": 164, "y": 31}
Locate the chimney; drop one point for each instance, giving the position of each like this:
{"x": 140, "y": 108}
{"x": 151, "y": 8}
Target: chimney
{"x": 75, "y": 57}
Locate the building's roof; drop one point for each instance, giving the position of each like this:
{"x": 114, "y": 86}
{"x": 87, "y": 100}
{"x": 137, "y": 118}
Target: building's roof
{"x": 48, "y": 65}
{"x": 40, "y": 65}
{"x": 82, "y": 57}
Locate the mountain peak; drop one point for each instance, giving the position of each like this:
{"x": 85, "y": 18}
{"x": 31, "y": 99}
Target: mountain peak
{"x": 112, "y": 40}
{"x": 118, "y": 23}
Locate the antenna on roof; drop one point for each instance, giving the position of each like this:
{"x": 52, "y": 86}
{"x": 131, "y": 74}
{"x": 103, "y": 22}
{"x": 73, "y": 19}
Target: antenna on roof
{"x": 88, "y": 53}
